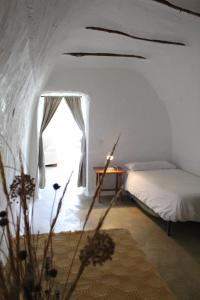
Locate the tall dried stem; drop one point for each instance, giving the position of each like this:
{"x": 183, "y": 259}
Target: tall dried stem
{"x": 90, "y": 209}
{"x": 52, "y": 228}
{"x": 84, "y": 264}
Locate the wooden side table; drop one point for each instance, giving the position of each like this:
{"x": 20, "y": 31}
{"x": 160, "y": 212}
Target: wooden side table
{"x": 117, "y": 171}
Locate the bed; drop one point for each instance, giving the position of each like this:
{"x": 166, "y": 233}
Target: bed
{"x": 170, "y": 193}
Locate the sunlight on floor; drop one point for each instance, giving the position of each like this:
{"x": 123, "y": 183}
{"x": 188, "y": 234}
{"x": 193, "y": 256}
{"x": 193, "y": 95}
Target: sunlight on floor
{"x": 62, "y": 145}
{"x": 71, "y": 202}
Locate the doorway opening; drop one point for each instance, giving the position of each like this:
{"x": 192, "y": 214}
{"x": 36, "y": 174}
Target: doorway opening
{"x": 62, "y": 146}
{"x": 62, "y": 150}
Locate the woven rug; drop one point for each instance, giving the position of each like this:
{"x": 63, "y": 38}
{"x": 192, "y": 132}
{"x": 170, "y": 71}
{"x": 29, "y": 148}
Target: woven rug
{"x": 129, "y": 276}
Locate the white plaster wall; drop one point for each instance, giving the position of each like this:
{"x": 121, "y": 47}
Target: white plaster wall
{"x": 121, "y": 102}
{"x": 175, "y": 75}
{"x": 183, "y": 103}
{"x": 176, "y": 79}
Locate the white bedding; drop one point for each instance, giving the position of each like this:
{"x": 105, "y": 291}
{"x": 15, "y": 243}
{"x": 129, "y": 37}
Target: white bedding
{"x": 172, "y": 193}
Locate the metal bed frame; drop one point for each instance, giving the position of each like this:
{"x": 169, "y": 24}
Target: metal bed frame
{"x": 151, "y": 212}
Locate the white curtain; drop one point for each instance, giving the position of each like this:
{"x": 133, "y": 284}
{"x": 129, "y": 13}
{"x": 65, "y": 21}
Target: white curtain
{"x": 74, "y": 103}
{"x": 50, "y": 107}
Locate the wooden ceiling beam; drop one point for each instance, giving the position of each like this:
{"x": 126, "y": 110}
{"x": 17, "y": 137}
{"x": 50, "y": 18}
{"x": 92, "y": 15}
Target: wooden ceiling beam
{"x": 107, "y": 30}
{"x": 105, "y": 54}
{"x": 176, "y": 7}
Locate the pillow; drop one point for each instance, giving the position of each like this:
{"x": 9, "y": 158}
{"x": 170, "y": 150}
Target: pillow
{"x": 150, "y": 165}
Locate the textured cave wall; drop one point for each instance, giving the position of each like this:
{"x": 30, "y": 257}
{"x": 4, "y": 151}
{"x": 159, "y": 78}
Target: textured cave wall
{"x": 16, "y": 79}
{"x": 27, "y": 30}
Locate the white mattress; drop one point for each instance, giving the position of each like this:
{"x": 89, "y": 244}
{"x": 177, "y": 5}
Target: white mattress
{"x": 173, "y": 194}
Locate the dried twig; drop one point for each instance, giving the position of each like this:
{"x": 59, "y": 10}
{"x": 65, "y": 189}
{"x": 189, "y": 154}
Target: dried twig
{"x": 51, "y": 229}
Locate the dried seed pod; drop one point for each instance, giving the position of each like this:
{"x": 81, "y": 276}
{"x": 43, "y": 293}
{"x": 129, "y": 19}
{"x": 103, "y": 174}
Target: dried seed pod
{"x": 53, "y": 273}
{"x": 22, "y": 254}
{"x": 3, "y": 222}
{"x": 16, "y": 186}
{"x": 56, "y": 186}
{"x": 98, "y": 249}
{"x": 3, "y": 214}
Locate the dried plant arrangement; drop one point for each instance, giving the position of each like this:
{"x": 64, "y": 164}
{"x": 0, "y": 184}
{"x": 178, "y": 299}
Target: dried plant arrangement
{"x": 25, "y": 276}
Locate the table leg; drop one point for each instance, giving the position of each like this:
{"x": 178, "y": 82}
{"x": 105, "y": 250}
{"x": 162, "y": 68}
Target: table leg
{"x": 117, "y": 184}
{"x": 120, "y": 180}
{"x": 99, "y": 193}
{"x": 96, "y": 180}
